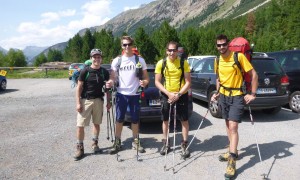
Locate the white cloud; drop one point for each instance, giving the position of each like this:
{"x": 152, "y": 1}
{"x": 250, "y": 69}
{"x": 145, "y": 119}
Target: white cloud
{"x": 128, "y": 8}
{"x": 53, "y": 27}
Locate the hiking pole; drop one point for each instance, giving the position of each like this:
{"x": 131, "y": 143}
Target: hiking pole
{"x": 252, "y": 122}
{"x": 174, "y": 134}
{"x": 106, "y": 90}
{"x": 138, "y": 134}
{"x": 107, "y": 124}
{"x": 197, "y": 129}
{"x": 112, "y": 101}
{"x": 167, "y": 140}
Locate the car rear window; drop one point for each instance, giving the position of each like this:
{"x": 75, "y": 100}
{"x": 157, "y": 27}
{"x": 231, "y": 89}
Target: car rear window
{"x": 263, "y": 66}
{"x": 151, "y": 77}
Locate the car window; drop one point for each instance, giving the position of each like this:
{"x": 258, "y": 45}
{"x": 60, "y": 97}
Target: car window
{"x": 263, "y": 66}
{"x": 151, "y": 76}
{"x": 198, "y": 66}
{"x": 293, "y": 63}
{"x": 208, "y": 66}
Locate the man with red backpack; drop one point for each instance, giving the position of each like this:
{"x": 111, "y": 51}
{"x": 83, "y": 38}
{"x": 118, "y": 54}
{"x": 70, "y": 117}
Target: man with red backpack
{"x": 231, "y": 96}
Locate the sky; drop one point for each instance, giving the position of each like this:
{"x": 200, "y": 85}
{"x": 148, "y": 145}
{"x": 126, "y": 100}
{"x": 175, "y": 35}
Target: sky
{"x": 47, "y": 22}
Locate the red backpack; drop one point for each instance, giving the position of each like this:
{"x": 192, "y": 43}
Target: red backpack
{"x": 241, "y": 45}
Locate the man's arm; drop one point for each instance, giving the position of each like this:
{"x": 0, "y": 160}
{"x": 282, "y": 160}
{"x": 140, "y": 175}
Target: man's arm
{"x": 187, "y": 85}
{"x": 254, "y": 83}
{"x": 145, "y": 80}
{"x": 78, "y": 94}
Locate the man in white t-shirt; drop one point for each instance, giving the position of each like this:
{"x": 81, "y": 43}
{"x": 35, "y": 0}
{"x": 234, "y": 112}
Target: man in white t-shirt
{"x": 124, "y": 72}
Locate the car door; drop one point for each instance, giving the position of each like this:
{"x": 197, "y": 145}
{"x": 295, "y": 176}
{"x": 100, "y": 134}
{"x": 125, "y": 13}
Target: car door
{"x": 208, "y": 77}
{"x": 196, "y": 80}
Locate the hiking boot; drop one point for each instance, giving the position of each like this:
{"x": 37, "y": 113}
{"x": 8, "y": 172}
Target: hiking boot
{"x": 224, "y": 157}
{"x": 185, "y": 153}
{"x": 165, "y": 148}
{"x": 95, "y": 147}
{"x": 79, "y": 152}
{"x": 116, "y": 147}
{"x": 136, "y": 144}
{"x": 231, "y": 167}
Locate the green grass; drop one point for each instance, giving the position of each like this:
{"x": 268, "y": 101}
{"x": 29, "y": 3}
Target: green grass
{"x": 28, "y": 73}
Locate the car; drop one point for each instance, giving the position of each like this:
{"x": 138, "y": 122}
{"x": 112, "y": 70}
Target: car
{"x": 150, "y": 101}
{"x": 259, "y": 54}
{"x": 192, "y": 60}
{"x": 272, "y": 90}
{"x": 290, "y": 61}
{"x": 3, "y": 81}
{"x": 73, "y": 67}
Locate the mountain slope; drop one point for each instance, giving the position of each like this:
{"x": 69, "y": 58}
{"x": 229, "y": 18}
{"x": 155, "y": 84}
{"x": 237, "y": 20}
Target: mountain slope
{"x": 179, "y": 13}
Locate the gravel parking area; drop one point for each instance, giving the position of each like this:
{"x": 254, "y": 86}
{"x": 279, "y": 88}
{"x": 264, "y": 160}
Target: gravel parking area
{"x": 38, "y": 123}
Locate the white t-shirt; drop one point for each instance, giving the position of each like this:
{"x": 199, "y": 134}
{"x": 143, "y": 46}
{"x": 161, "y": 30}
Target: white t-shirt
{"x": 128, "y": 82}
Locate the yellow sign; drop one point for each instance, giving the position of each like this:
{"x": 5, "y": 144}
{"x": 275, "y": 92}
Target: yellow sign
{"x": 2, "y": 73}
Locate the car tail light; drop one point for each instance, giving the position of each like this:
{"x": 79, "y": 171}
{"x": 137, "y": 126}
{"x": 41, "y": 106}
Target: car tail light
{"x": 142, "y": 94}
{"x": 190, "y": 92}
{"x": 284, "y": 80}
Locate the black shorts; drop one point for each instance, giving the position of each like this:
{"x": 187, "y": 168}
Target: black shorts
{"x": 232, "y": 107}
{"x": 182, "y": 107}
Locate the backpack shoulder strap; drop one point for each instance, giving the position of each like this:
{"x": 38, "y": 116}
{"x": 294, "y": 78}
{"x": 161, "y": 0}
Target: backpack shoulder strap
{"x": 163, "y": 66}
{"x": 182, "y": 70}
{"x": 236, "y": 60}
{"x": 87, "y": 73}
{"x": 217, "y": 66}
{"x": 137, "y": 59}
{"x": 119, "y": 62}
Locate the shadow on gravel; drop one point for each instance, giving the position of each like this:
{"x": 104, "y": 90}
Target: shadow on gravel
{"x": 275, "y": 150}
{"x": 156, "y": 127}
{"x": 8, "y": 91}
{"x": 259, "y": 116}
{"x": 199, "y": 148}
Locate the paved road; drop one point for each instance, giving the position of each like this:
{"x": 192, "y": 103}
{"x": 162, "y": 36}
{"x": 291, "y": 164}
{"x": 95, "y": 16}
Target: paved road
{"x": 38, "y": 121}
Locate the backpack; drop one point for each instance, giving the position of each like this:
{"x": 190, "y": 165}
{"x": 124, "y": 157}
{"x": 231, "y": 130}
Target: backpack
{"x": 240, "y": 45}
{"x": 76, "y": 74}
{"x": 164, "y": 65}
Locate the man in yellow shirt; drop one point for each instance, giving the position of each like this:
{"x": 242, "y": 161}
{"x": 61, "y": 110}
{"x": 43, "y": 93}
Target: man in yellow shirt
{"x": 174, "y": 90}
{"x": 229, "y": 82}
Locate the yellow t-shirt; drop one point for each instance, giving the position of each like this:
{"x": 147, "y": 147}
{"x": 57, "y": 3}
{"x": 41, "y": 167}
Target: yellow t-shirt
{"x": 172, "y": 74}
{"x": 231, "y": 76}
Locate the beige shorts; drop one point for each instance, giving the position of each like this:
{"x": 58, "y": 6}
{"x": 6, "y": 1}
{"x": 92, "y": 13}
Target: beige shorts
{"x": 92, "y": 108}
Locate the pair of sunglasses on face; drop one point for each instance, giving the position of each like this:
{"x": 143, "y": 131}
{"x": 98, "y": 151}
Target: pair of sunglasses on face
{"x": 129, "y": 44}
{"x": 172, "y": 50}
{"x": 224, "y": 44}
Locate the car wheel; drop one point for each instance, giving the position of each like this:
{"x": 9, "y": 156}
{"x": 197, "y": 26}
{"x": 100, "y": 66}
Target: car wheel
{"x": 3, "y": 85}
{"x": 272, "y": 110}
{"x": 214, "y": 107}
{"x": 295, "y": 101}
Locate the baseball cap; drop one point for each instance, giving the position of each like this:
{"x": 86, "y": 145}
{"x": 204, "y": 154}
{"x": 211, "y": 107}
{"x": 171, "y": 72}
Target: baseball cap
{"x": 95, "y": 51}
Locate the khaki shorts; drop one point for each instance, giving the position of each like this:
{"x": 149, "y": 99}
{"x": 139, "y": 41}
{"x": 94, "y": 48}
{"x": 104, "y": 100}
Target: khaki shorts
{"x": 92, "y": 108}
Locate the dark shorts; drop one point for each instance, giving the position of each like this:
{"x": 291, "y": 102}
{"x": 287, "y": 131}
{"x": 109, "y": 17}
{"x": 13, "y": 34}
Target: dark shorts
{"x": 182, "y": 107}
{"x": 124, "y": 101}
{"x": 232, "y": 107}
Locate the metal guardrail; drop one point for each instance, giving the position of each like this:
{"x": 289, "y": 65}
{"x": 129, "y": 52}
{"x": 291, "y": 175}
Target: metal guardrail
{"x": 43, "y": 68}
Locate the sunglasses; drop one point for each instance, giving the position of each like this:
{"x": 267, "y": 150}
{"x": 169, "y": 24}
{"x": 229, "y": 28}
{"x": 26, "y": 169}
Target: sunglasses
{"x": 224, "y": 44}
{"x": 129, "y": 44}
{"x": 172, "y": 50}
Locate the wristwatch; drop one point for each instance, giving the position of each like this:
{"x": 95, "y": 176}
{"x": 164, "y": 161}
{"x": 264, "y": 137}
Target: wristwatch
{"x": 179, "y": 94}
{"x": 253, "y": 94}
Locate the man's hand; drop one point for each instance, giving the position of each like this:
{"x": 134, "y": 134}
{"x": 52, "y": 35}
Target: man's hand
{"x": 108, "y": 105}
{"x": 215, "y": 97}
{"x": 249, "y": 97}
{"x": 79, "y": 108}
{"x": 109, "y": 84}
{"x": 173, "y": 97}
{"x": 143, "y": 83}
